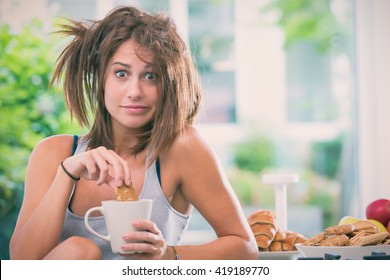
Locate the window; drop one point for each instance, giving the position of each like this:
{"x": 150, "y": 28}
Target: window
{"x": 211, "y": 29}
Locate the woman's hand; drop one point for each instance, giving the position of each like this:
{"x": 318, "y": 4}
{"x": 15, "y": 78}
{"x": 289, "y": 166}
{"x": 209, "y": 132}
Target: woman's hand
{"x": 101, "y": 165}
{"x": 150, "y": 242}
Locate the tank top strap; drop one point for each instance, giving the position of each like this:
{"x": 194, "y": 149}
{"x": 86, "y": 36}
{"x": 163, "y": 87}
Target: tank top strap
{"x": 75, "y": 143}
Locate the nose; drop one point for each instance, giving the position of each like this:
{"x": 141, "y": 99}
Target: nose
{"x": 134, "y": 89}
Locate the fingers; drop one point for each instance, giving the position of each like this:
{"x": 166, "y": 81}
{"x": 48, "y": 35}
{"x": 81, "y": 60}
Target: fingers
{"x": 102, "y": 160}
{"x": 145, "y": 231}
{"x": 145, "y": 225}
{"x": 148, "y": 240}
{"x": 121, "y": 171}
{"x": 101, "y": 165}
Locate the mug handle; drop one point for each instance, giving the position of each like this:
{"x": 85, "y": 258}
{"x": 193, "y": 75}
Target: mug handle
{"x": 90, "y": 229}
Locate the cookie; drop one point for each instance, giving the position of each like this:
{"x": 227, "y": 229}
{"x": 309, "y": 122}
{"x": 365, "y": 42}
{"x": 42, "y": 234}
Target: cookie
{"x": 335, "y": 240}
{"x": 371, "y": 239}
{"x": 126, "y": 193}
{"x": 340, "y": 229}
{"x": 315, "y": 239}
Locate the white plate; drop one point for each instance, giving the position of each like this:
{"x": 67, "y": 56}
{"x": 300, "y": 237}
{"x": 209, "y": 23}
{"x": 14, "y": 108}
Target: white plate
{"x": 284, "y": 255}
{"x": 345, "y": 252}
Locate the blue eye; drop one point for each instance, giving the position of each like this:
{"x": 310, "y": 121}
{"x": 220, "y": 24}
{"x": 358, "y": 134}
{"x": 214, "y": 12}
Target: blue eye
{"x": 150, "y": 76}
{"x": 120, "y": 74}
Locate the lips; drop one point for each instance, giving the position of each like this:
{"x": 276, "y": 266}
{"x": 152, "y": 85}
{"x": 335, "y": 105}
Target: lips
{"x": 135, "y": 109}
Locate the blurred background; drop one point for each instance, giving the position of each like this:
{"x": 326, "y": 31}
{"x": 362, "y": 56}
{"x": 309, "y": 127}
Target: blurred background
{"x": 295, "y": 86}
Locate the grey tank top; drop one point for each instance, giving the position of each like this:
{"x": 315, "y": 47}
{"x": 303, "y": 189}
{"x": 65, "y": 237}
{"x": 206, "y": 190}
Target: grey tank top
{"x": 171, "y": 223}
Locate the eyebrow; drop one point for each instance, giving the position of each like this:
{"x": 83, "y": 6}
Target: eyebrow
{"x": 122, "y": 64}
{"x": 128, "y": 66}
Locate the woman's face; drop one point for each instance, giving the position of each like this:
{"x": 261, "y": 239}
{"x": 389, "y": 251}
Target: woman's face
{"x": 131, "y": 87}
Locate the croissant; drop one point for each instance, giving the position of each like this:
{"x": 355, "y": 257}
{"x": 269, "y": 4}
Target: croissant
{"x": 291, "y": 239}
{"x": 263, "y": 241}
{"x": 269, "y": 237}
{"x": 267, "y": 230}
{"x": 263, "y": 226}
{"x": 280, "y": 235}
{"x": 262, "y": 217}
{"x": 276, "y": 246}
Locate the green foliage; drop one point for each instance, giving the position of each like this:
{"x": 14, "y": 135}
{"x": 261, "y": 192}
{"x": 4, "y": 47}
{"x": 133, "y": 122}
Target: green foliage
{"x": 254, "y": 154}
{"x": 326, "y": 157}
{"x": 243, "y": 183}
{"x": 251, "y": 157}
{"x": 249, "y": 189}
{"x": 308, "y": 20}
{"x": 324, "y": 193}
{"x": 30, "y": 111}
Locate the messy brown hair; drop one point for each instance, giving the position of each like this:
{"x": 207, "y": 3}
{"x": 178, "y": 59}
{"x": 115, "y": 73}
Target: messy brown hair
{"x": 82, "y": 66}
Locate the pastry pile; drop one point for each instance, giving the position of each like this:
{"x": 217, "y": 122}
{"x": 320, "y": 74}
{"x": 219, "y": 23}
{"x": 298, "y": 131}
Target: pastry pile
{"x": 269, "y": 237}
{"x": 361, "y": 233}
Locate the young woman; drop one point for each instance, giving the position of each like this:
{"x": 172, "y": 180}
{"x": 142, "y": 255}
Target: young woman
{"x": 133, "y": 78}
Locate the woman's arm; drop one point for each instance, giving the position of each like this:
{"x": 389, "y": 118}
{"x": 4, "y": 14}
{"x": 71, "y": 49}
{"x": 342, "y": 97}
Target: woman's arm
{"x": 46, "y": 194}
{"x": 205, "y": 185}
{"x": 48, "y": 188}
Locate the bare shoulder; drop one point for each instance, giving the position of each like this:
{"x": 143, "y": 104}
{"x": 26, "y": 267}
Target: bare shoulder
{"x": 189, "y": 153}
{"x": 54, "y": 147}
{"x": 190, "y": 144}
{"x": 44, "y": 161}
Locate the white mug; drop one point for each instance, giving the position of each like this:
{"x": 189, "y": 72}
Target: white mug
{"x": 119, "y": 216}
